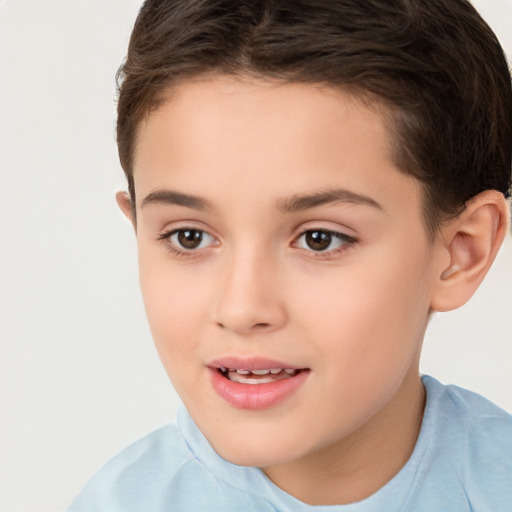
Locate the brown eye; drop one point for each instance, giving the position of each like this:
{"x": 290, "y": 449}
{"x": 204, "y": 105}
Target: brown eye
{"x": 318, "y": 240}
{"x": 323, "y": 240}
{"x": 189, "y": 238}
{"x": 187, "y": 241}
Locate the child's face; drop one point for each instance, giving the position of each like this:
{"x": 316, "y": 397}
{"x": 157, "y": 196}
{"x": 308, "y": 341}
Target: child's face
{"x": 303, "y": 247}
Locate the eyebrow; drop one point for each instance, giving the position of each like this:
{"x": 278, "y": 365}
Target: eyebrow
{"x": 172, "y": 197}
{"x": 293, "y": 204}
{"x": 333, "y": 196}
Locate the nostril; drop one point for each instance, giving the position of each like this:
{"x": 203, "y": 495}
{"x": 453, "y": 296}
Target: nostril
{"x": 260, "y": 326}
{"x": 256, "y": 327}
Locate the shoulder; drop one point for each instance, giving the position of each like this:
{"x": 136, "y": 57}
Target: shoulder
{"x": 158, "y": 473}
{"x": 477, "y": 436}
{"x": 138, "y": 474}
{"x": 489, "y": 432}
{"x": 163, "y": 449}
{"x": 463, "y": 407}
{"x": 485, "y": 423}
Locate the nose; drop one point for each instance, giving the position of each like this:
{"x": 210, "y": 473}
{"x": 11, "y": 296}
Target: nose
{"x": 250, "y": 298}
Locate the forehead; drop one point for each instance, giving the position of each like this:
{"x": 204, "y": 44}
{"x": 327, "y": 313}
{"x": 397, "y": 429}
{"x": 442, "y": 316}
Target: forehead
{"x": 274, "y": 138}
{"x": 264, "y": 108}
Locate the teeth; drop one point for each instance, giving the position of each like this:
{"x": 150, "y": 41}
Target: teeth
{"x": 260, "y": 372}
{"x": 248, "y": 379}
{"x": 273, "y": 371}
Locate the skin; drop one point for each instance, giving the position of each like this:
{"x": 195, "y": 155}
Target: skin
{"x": 353, "y": 314}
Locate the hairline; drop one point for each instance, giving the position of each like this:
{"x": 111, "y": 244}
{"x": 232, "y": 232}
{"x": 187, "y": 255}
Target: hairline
{"x": 387, "y": 111}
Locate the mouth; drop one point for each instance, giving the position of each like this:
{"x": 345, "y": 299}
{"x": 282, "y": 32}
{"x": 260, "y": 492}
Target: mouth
{"x": 263, "y": 376}
{"x": 255, "y": 384}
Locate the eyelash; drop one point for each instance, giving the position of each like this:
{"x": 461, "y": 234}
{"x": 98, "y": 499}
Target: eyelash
{"x": 165, "y": 238}
{"x": 348, "y": 242}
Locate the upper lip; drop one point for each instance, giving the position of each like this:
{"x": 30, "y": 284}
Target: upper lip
{"x": 251, "y": 363}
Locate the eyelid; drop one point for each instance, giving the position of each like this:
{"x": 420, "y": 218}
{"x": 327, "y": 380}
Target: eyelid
{"x": 335, "y": 234}
{"x": 165, "y": 235}
{"x": 204, "y": 235}
{"x": 348, "y": 241}
{"x": 331, "y": 225}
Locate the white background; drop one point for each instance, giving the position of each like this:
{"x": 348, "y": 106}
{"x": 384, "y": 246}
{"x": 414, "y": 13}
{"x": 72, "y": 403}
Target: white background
{"x": 79, "y": 377}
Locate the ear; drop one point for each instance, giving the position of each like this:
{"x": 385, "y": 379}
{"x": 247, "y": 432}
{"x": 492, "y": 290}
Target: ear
{"x": 126, "y": 206}
{"x": 471, "y": 241}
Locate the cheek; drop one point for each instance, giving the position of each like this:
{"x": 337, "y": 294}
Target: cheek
{"x": 368, "y": 318}
{"x": 366, "y": 340}
{"x": 173, "y": 304}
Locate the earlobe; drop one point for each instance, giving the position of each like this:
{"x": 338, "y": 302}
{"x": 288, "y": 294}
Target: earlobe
{"x": 472, "y": 241}
{"x": 125, "y": 205}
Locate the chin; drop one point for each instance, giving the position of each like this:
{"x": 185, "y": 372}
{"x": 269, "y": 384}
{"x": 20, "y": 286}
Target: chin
{"x": 253, "y": 454}
{"x": 248, "y": 457}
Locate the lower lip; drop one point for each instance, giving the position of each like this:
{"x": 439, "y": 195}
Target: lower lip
{"x": 256, "y": 396}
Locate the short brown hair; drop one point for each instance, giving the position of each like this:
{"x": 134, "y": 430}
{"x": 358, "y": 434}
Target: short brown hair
{"x": 435, "y": 64}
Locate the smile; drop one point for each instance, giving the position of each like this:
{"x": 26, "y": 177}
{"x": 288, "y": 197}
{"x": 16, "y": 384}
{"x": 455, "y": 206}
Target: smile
{"x": 257, "y": 376}
{"x": 255, "y": 384}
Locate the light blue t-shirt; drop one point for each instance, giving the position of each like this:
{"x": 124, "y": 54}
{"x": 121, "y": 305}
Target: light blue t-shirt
{"x": 462, "y": 462}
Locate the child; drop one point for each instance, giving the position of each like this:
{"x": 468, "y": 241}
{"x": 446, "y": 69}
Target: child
{"x": 309, "y": 181}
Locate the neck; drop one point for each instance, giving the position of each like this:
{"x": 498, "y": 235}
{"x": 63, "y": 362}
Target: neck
{"x": 359, "y": 465}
